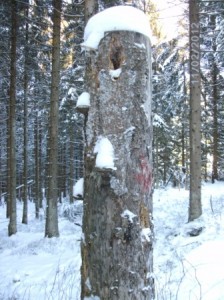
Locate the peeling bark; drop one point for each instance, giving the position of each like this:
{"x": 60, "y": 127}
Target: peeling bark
{"x": 117, "y": 222}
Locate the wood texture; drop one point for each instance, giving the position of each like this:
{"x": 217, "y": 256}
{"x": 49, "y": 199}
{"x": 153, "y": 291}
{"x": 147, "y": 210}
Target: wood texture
{"x": 117, "y": 246}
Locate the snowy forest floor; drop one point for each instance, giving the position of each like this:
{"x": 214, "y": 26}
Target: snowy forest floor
{"x": 186, "y": 267}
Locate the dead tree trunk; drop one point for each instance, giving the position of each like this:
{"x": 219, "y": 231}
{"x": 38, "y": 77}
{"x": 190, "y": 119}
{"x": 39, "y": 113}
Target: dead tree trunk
{"x": 117, "y": 222}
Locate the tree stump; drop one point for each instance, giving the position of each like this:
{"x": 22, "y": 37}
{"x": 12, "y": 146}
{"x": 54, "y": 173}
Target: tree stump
{"x": 117, "y": 222}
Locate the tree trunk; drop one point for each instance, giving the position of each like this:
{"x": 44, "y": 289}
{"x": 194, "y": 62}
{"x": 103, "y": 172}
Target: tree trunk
{"x": 63, "y": 179}
{"x": 51, "y": 229}
{"x": 195, "y": 209}
{"x": 215, "y": 175}
{"x": 91, "y": 8}
{"x": 214, "y": 71}
{"x": 8, "y": 164}
{"x": 37, "y": 166}
{"x": 12, "y": 228}
{"x": 183, "y": 129}
{"x": 71, "y": 163}
{"x": 117, "y": 222}
{"x": 156, "y": 159}
{"x": 41, "y": 175}
{"x": 25, "y": 188}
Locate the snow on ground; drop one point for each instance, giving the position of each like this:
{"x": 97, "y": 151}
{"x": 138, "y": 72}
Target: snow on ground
{"x": 186, "y": 267}
{"x": 189, "y": 267}
{"x": 37, "y": 268}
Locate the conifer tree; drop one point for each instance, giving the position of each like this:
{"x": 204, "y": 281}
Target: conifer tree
{"x": 51, "y": 228}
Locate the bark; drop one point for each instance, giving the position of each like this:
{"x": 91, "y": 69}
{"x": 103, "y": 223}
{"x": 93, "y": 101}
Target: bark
{"x": 12, "y": 228}
{"x": 215, "y": 175}
{"x": 183, "y": 129}
{"x": 25, "y": 187}
{"x": 117, "y": 246}
{"x": 51, "y": 228}
{"x": 156, "y": 159}
{"x": 37, "y": 168}
{"x": 63, "y": 182}
{"x": 195, "y": 209}
{"x": 40, "y": 191}
{"x": 8, "y": 165}
{"x": 215, "y": 97}
{"x": 91, "y": 8}
{"x": 71, "y": 164}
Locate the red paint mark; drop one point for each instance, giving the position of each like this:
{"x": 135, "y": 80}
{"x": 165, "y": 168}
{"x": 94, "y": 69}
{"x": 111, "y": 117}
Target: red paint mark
{"x": 144, "y": 177}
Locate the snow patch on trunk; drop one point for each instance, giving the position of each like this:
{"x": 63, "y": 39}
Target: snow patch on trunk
{"x": 146, "y": 234}
{"x": 115, "y": 74}
{"x": 105, "y": 153}
{"x": 142, "y": 46}
{"x": 88, "y": 284}
{"x": 127, "y": 214}
{"x": 130, "y": 129}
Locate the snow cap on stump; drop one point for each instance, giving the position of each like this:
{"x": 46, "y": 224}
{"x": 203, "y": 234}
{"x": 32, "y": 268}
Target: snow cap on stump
{"x": 114, "y": 19}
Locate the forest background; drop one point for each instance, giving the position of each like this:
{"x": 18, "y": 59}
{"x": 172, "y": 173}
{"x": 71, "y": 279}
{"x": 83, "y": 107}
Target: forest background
{"x": 26, "y": 89}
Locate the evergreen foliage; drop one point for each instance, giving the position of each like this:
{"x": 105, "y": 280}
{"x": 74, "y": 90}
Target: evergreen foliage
{"x": 170, "y": 84}
{"x": 171, "y": 98}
